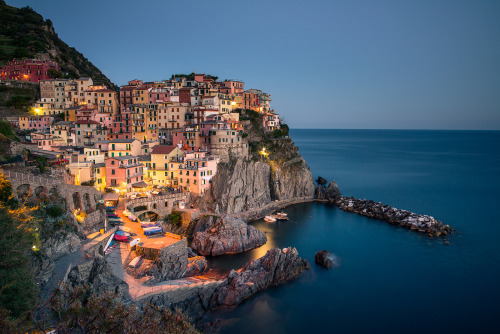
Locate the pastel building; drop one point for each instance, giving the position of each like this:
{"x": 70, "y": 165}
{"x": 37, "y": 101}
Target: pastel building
{"x": 39, "y": 123}
{"x": 87, "y": 133}
{"x": 271, "y": 121}
{"x": 123, "y": 173}
{"x": 195, "y": 175}
{"x": 164, "y": 165}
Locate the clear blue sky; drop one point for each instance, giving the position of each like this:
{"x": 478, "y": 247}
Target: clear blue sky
{"x": 327, "y": 64}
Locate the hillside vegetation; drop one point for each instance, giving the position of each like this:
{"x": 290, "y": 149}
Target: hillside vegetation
{"x": 24, "y": 33}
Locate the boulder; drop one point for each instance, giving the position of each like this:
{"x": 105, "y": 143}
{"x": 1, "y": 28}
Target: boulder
{"x": 323, "y": 260}
{"x": 226, "y": 235}
{"x": 196, "y": 266}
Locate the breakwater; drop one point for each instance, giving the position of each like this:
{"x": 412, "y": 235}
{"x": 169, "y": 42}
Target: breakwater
{"x": 415, "y": 222}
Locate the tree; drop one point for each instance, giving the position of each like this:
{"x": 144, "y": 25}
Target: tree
{"x": 72, "y": 310}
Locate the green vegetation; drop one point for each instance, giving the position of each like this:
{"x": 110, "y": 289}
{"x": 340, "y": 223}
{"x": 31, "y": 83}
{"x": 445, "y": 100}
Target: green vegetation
{"x": 24, "y": 34}
{"x": 54, "y": 211}
{"x": 191, "y": 76}
{"x": 174, "y": 218}
{"x": 18, "y": 291}
{"x": 7, "y": 130}
{"x": 88, "y": 183}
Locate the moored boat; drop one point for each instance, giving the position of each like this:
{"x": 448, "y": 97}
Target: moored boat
{"x": 270, "y": 219}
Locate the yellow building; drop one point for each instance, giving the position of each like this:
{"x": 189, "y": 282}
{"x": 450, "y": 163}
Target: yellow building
{"x": 100, "y": 176}
{"x": 164, "y": 167}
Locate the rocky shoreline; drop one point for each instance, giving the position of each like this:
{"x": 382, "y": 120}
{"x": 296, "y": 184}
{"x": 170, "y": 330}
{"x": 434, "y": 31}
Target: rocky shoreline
{"x": 368, "y": 208}
{"x": 415, "y": 222}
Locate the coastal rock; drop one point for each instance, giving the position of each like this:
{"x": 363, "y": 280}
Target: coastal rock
{"x": 226, "y": 236}
{"x": 330, "y": 192}
{"x": 322, "y": 259}
{"x": 415, "y": 222}
{"x": 275, "y": 267}
{"x": 196, "y": 266}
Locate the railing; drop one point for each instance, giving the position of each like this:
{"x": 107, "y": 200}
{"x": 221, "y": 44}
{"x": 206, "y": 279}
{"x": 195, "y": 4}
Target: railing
{"x": 23, "y": 177}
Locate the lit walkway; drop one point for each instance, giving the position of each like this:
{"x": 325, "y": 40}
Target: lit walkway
{"x": 137, "y": 288}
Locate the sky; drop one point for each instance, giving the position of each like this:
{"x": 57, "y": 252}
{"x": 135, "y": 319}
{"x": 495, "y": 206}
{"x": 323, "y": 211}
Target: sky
{"x": 427, "y": 64}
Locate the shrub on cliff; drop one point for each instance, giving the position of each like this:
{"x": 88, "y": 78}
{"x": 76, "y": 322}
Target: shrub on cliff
{"x": 76, "y": 310}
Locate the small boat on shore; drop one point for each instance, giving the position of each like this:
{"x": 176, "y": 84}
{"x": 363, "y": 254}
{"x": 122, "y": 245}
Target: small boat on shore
{"x": 270, "y": 219}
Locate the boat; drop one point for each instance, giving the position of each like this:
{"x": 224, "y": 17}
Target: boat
{"x": 281, "y": 216}
{"x": 125, "y": 234}
{"x": 153, "y": 230}
{"x": 148, "y": 224}
{"x": 125, "y": 229}
{"x": 132, "y": 218}
{"x": 134, "y": 262}
{"x": 270, "y": 219}
{"x": 126, "y": 213}
{"x": 122, "y": 238}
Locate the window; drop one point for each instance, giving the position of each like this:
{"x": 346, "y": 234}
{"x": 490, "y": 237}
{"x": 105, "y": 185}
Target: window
{"x": 112, "y": 172}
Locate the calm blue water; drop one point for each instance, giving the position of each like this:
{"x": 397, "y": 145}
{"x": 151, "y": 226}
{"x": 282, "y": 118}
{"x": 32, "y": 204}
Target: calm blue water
{"x": 389, "y": 279}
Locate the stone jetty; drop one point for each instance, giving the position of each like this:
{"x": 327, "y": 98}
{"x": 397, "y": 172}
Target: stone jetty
{"x": 415, "y": 222}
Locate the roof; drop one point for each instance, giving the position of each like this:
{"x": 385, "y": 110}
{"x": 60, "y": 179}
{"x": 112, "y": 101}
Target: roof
{"x": 127, "y": 88}
{"x": 122, "y": 140}
{"x": 102, "y": 164}
{"x": 86, "y": 122}
{"x": 146, "y": 157}
{"x": 123, "y": 157}
{"x": 162, "y": 149}
{"x": 140, "y": 184}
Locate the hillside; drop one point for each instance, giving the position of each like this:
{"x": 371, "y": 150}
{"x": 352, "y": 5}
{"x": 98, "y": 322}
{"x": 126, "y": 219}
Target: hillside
{"x": 24, "y": 33}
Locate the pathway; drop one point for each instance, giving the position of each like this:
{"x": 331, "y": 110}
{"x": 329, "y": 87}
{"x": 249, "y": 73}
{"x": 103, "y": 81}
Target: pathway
{"x": 137, "y": 289}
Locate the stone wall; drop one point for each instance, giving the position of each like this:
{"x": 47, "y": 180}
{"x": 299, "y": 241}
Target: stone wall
{"x": 161, "y": 205}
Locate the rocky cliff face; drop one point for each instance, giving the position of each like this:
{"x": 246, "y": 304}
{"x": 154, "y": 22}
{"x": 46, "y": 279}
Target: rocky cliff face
{"x": 226, "y": 236}
{"x": 247, "y": 184}
{"x": 275, "y": 267}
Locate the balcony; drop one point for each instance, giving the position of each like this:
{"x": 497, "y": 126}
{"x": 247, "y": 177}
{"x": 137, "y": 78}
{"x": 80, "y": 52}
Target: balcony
{"x": 136, "y": 164}
{"x": 88, "y": 136}
{"x": 88, "y": 144}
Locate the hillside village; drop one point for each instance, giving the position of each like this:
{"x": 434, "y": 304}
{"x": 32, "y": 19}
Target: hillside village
{"x": 148, "y": 138}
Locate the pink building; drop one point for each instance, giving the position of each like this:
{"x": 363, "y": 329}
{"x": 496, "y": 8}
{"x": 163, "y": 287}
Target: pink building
{"x": 158, "y": 95}
{"x": 124, "y": 173}
{"x": 42, "y": 140}
{"x": 32, "y": 70}
{"x": 197, "y": 172}
{"x": 104, "y": 119}
{"x": 121, "y": 127}
{"x": 271, "y": 121}
{"x": 39, "y": 123}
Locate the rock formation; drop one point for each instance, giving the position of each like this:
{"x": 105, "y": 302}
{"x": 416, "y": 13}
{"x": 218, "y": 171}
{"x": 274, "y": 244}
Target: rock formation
{"x": 196, "y": 266}
{"x": 98, "y": 275}
{"x": 226, "y": 236}
{"x": 415, "y": 222}
{"x": 164, "y": 264}
{"x": 322, "y": 259}
{"x": 330, "y": 192}
{"x": 419, "y": 223}
{"x": 275, "y": 267}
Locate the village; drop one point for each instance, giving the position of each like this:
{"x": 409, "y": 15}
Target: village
{"x": 148, "y": 139}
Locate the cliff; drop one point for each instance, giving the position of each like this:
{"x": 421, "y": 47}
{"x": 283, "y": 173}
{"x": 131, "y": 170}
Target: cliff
{"x": 274, "y": 173}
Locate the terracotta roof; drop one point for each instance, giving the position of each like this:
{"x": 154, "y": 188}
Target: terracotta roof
{"x": 162, "y": 149}
{"x": 127, "y": 88}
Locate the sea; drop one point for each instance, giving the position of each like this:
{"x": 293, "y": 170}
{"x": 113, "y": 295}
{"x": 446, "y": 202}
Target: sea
{"x": 387, "y": 279}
